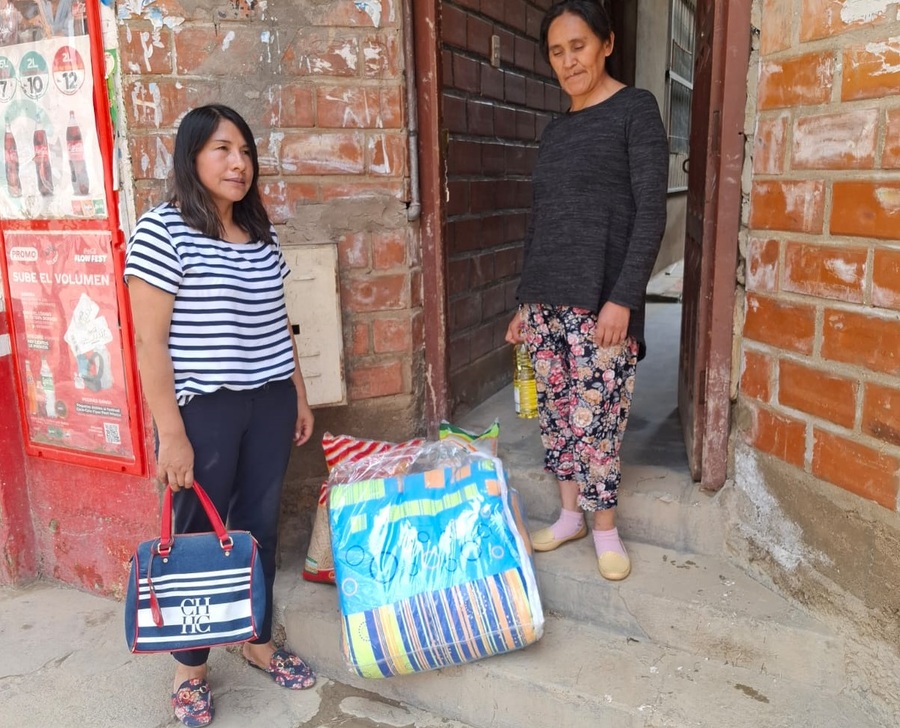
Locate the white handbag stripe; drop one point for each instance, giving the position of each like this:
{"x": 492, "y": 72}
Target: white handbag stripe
{"x": 212, "y": 614}
{"x": 181, "y": 639}
{"x": 191, "y": 584}
{"x": 219, "y": 574}
{"x": 205, "y": 592}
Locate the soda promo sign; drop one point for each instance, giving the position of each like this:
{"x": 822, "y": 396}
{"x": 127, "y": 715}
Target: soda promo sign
{"x": 68, "y": 348}
{"x": 52, "y": 164}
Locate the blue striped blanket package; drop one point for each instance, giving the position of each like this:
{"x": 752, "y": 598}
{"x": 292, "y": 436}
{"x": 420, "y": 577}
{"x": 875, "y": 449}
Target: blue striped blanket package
{"x": 433, "y": 569}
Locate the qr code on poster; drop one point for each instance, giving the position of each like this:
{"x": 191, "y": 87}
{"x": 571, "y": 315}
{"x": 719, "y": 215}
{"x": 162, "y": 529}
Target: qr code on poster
{"x": 111, "y": 432}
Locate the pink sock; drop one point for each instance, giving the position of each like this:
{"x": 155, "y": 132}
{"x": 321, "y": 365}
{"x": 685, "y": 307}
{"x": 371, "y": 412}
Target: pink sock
{"x": 608, "y": 541}
{"x": 568, "y": 524}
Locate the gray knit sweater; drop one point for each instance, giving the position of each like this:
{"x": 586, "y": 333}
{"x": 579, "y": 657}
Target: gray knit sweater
{"x": 599, "y": 210}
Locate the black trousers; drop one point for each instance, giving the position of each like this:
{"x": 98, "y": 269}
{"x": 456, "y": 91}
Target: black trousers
{"x": 242, "y": 444}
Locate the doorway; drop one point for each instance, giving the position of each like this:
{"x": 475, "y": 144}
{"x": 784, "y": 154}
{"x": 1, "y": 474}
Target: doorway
{"x": 476, "y": 175}
{"x": 707, "y": 46}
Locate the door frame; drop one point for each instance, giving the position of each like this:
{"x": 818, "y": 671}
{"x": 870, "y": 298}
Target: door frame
{"x": 731, "y": 44}
{"x": 427, "y": 43}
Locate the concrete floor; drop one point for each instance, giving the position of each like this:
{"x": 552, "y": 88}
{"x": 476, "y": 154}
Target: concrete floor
{"x": 64, "y": 663}
{"x": 654, "y": 436}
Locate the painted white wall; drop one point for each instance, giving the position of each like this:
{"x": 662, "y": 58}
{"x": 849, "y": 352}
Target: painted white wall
{"x": 652, "y": 48}
{"x": 650, "y": 73}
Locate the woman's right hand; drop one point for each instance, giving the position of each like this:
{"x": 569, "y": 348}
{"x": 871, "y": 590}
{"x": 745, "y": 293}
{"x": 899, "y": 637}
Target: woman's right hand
{"x": 515, "y": 331}
{"x": 175, "y": 462}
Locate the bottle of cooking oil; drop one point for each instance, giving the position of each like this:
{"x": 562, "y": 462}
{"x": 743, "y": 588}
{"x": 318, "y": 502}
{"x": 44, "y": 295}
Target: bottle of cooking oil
{"x": 48, "y": 387}
{"x": 30, "y": 390}
{"x": 524, "y": 385}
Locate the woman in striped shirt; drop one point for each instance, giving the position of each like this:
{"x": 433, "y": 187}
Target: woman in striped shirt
{"x": 218, "y": 362}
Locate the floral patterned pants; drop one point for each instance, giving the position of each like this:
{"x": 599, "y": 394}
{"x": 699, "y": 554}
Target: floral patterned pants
{"x": 584, "y": 396}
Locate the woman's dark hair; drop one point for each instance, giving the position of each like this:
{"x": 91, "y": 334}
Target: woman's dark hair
{"x": 592, "y": 12}
{"x": 193, "y": 198}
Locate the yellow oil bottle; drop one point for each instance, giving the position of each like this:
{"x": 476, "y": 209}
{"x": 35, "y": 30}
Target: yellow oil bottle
{"x": 524, "y": 385}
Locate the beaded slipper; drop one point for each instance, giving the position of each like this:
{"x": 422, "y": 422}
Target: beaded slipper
{"x": 193, "y": 703}
{"x": 289, "y": 671}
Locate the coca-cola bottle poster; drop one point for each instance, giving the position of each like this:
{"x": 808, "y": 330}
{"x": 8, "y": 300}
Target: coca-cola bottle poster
{"x": 68, "y": 346}
{"x": 52, "y": 164}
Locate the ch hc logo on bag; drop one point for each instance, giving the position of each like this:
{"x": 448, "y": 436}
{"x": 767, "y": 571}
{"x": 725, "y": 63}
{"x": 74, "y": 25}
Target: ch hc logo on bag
{"x": 195, "y": 615}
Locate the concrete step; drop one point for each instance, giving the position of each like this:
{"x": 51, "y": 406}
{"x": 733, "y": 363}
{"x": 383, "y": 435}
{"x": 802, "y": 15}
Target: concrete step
{"x": 581, "y": 675}
{"x": 667, "y": 284}
{"x": 658, "y": 503}
{"x": 695, "y": 603}
{"x": 683, "y": 593}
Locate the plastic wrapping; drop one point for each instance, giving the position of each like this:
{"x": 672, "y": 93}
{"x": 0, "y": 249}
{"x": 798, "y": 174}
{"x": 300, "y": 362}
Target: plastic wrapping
{"x": 338, "y": 449}
{"x": 433, "y": 565}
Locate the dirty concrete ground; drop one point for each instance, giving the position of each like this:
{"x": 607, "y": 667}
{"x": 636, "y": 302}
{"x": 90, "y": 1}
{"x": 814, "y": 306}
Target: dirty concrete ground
{"x": 64, "y": 664}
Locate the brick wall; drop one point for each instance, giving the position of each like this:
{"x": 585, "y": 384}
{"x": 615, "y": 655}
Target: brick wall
{"x": 492, "y": 117}
{"x": 322, "y": 86}
{"x": 820, "y": 375}
{"x": 812, "y": 507}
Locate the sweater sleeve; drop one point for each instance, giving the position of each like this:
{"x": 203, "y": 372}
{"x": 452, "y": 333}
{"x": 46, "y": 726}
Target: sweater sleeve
{"x": 648, "y": 158}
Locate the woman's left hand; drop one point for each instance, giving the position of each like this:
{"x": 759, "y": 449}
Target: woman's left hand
{"x": 514, "y": 332}
{"x": 612, "y": 324}
{"x": 304, "y": 428}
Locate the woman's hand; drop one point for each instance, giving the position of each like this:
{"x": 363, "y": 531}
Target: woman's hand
{"x": 612, "y": 324}
{"x": 515, "y": 330}
{"x": 175, "y": 462}
{"x": 304, "y": 428}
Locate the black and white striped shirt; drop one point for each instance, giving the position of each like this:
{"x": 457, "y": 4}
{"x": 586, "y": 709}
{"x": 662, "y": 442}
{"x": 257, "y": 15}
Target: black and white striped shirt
{"x": 229, "y": 323}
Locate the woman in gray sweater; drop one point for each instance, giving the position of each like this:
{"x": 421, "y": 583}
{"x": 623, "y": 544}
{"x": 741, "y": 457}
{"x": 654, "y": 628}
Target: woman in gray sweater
{"x": 598, "y": 218}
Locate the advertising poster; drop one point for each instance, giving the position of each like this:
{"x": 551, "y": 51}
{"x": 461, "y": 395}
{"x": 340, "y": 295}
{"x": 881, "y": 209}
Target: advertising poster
{"x": 52, "y": 165}
{"x": 111, "y": 60}
{"x": 65, "y": 320}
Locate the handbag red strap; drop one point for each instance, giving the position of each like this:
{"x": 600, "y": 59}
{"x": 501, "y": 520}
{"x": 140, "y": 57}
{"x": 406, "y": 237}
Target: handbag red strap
{"x": 166, "y": 540}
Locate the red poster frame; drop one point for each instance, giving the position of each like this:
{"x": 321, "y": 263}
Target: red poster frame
{"x": 111, "y": 225}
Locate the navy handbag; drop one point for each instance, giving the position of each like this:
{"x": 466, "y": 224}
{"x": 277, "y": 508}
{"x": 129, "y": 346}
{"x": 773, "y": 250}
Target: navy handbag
{"x": 194, "y": 590}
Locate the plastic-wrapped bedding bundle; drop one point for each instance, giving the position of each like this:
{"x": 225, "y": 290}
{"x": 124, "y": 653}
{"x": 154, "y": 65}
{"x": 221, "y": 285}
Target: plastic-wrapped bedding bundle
{"x": 433, "y": 567}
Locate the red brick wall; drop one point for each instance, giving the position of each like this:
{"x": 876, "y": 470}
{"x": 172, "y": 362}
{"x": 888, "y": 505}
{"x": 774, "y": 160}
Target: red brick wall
{"x": 821, "y": 349}
{"x": 493, "y": 118}
{"x": 322, "y": 86}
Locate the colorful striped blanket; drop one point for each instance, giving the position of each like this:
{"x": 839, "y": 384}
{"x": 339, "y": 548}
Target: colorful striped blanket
{"x": 433, "y": 569}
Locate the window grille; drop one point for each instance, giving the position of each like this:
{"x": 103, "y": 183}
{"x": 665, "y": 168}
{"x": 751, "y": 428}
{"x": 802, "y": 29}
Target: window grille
{"x": 680, "y": 89}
